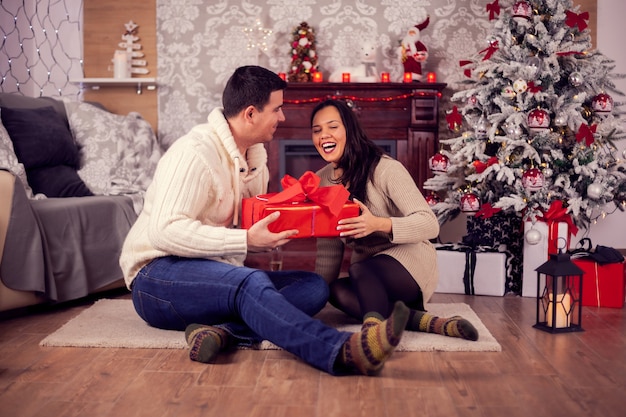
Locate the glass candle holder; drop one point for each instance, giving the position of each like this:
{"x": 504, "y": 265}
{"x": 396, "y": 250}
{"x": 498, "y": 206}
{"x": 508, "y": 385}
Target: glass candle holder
{"x": 345, "y": 77}
{"x": 384, "y": 77}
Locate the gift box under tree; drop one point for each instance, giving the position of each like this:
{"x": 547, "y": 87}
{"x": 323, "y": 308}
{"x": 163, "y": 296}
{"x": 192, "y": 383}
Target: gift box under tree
{"x": 303, "y": 205}
{"x": 494, "y": 230}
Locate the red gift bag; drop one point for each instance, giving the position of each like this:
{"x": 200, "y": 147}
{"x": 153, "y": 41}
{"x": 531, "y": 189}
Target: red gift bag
{"x": 603, "y": 285}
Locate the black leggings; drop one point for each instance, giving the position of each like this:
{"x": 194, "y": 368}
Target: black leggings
{"x": 374, "y": 285}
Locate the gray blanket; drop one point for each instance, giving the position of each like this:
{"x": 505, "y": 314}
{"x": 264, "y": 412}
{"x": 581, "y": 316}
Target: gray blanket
{"x": 64, "y": 248}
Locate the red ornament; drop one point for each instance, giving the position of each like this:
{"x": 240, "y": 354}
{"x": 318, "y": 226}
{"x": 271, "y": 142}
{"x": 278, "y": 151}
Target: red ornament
{"x": 533, "y": 179}
{"x": 432, "y": 199}
{"x": 470, "y": 203}
{"x": 522, "y": 10}
{"x": 602, "y": 103}
{"x": 439, "y": 163}
{"x": 538, "y": 120}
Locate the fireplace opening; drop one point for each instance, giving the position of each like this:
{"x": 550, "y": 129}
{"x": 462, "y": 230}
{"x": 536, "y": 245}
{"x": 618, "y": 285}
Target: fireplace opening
{"x": 299, "y": 155}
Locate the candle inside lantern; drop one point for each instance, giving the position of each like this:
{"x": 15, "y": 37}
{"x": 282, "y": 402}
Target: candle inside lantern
{"x": 384, "y": 77}
{"x": 562, "y": 305}
{"x": 282, "y": 76}
{"x": 345, "y": 77}
{"x": 431, "y": 77}
{"x": 408, "y": 77}
{"x": 318, "y": 77}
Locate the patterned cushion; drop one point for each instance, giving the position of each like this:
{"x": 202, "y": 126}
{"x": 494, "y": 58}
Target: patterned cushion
{"x": 118, "y": 153}
{"x": 9, "y": 161}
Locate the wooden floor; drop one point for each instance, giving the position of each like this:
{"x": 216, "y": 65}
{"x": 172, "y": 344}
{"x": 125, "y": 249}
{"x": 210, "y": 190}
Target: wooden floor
{"x": 536, "y": 374}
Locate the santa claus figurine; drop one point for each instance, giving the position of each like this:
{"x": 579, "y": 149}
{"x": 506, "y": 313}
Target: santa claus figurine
{"x": 413, "y": 52}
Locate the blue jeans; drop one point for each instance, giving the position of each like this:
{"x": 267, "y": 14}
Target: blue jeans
{"x": 251, "y": 304}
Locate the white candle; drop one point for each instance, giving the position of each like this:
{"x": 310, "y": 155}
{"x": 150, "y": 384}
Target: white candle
{"x": 120, "y": 64}
{"x": 563, "y": 305}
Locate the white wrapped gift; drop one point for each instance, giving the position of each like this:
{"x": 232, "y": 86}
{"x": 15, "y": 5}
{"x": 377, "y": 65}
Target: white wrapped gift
{"x": 455, "y": 272}
{"x": 535, "y": 255}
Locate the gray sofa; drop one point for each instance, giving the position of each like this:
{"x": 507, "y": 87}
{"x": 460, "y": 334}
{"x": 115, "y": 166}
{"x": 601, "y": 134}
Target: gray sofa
{"x": 70, "y": 189}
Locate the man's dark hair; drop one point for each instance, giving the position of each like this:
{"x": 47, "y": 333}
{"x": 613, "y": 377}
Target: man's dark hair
{"x": 250, "y": 85}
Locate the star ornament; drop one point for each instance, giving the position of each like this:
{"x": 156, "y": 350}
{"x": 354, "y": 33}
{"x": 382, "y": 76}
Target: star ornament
{"x": 257, "y": 36}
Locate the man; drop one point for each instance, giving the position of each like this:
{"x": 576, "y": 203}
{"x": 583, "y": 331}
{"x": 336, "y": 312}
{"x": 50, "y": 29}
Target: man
{"x": 183, "y": 258}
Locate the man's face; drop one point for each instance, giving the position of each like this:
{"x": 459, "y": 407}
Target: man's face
{"x": 268, "y": 119}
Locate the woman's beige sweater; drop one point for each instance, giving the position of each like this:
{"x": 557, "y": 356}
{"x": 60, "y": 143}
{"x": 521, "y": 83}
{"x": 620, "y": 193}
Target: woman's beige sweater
{"x": 393, "y": 194}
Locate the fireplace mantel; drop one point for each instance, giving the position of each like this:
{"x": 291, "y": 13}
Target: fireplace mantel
{"x": 406, "y": 113}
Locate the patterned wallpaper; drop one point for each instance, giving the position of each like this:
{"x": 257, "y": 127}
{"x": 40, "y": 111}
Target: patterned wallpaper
{"x": 200, "y": 44}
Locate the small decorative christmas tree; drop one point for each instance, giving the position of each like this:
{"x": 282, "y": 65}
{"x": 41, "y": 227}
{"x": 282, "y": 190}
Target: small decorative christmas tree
{"x": 537, "y": 124}
{"x": 303, "y": 54}
{"x": 133, "y": 49}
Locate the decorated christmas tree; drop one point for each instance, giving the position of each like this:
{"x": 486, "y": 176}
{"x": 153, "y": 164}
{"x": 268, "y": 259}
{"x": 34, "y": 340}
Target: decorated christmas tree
{"x": 303, "y": 54}
{"x": 536, "y": 126}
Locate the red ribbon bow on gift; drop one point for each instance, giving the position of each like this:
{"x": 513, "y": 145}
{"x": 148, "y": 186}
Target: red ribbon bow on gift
{"x": 557, "y": 213}
{"x": 486, "y": 211}
{"x": 573, "y": 19}
{"x": 307, "y": 188}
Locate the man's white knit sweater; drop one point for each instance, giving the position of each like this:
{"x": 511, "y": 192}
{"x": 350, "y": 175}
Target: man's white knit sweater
{"x": 191, "y": 208}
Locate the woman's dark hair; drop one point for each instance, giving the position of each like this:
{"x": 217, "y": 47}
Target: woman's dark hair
{"x": 360, "y": 156}
{"x": 250, "y": 85}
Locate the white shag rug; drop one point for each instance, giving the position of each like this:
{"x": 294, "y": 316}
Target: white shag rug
{"x": 114, "y": 323}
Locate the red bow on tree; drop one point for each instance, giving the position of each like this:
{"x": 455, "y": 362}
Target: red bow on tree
{"x": 466, "y": 71}
{"x": 482, "y": 166}
{"x": 486, "y": 211}
{"x": 491, "y": 49}
{"x": 454, "y": 118}
{"x": 572, "y": 19}
{"x": 307, "y": 188}
{"x": 586, "y": 132}
{"x": 557, "y": 213}
{"x": 493, "y": 9}
{"x": 534, "y": 88}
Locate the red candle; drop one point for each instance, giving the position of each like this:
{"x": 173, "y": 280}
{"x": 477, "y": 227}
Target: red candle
{"x": 345, "y": 77}
{"x": 282, "y": 76}
{"x": 318, "y": 77}
{"x": 431, "y": 77}
{"x": 408, "y": 77}
{"x": 384, "y": 77}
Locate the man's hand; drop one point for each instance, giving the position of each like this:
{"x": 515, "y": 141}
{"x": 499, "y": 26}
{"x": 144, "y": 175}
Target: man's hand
{"x": 260, "y": 239}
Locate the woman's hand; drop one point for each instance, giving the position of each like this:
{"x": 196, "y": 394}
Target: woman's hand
{"x": 260, "y": 239}
{"x": 363, "y": 225}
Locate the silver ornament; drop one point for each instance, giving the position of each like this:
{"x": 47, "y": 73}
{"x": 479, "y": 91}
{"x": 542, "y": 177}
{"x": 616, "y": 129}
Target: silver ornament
{"x": 594, "y": 191}
{"x": 575, "y": 79}
{"x": 533, "y": 237}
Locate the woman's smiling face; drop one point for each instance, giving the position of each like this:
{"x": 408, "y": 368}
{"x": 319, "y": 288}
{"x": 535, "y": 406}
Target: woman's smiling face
{"x": 329, "y": 134}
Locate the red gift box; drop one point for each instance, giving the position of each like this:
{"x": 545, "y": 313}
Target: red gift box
{"x": 303, "y": 205}
{"x": 603, "y": 285}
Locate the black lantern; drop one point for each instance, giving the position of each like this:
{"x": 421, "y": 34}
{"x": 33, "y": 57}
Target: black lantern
{"x": 559, "y": 295}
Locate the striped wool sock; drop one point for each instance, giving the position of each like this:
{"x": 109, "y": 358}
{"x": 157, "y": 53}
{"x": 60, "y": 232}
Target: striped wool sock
{"x": 205, "y": 342}
{"x": 455, "y": 326}
{"x": 367, "y": 350}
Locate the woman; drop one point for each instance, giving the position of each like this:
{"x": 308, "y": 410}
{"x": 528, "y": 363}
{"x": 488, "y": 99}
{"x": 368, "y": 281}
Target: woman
{"x": 393, "y": 259}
